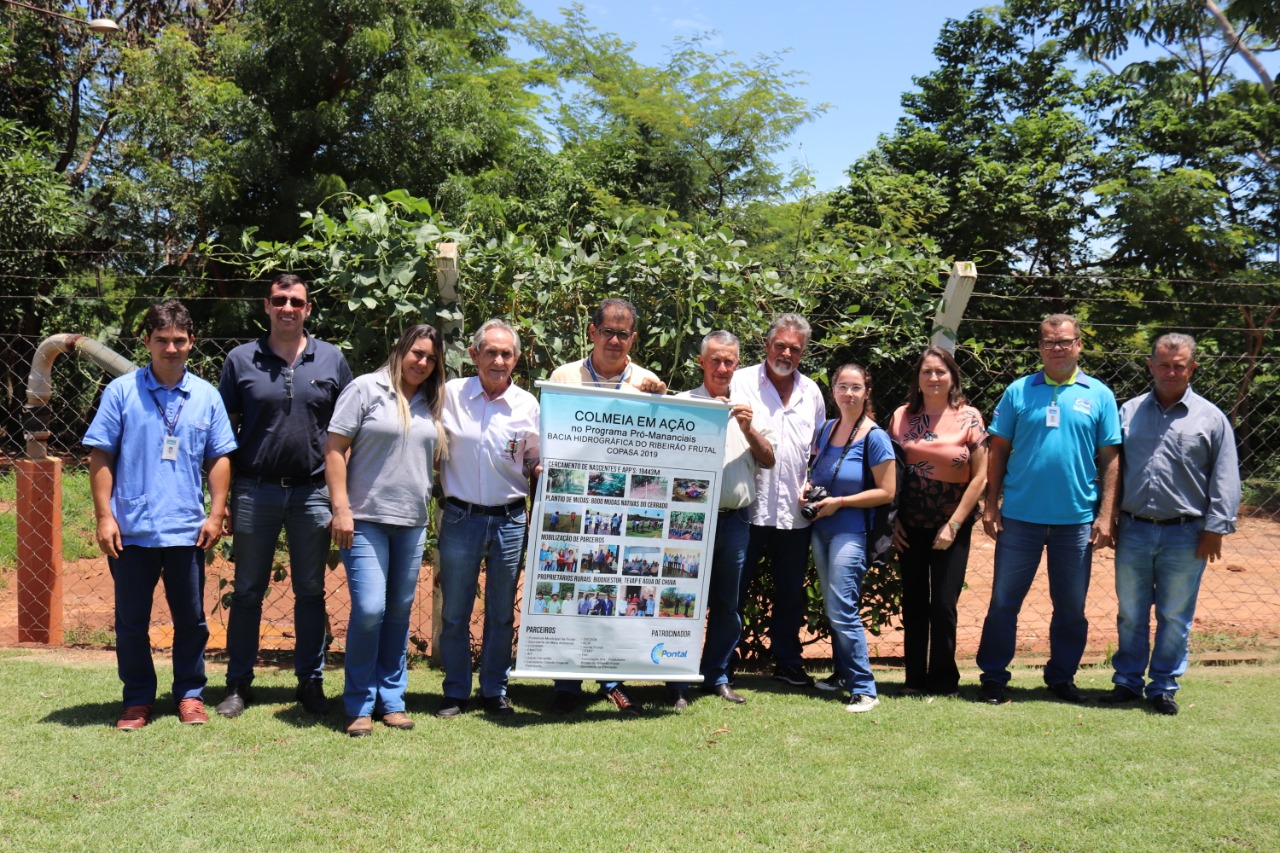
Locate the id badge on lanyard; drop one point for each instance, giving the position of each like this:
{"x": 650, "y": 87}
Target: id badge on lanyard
{"x": 1052, "y": 415}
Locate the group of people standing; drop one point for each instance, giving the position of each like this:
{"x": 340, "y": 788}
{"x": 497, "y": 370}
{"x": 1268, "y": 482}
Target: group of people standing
{"x": 291, "y": 441}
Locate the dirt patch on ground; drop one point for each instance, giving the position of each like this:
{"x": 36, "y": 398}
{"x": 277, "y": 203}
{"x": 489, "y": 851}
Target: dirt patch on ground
{"x": 1240, "y": 597}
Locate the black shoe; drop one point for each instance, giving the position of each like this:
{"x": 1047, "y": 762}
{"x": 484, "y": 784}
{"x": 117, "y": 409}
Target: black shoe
{"x": 678, "y": 698}
{"x": 1068, "y": 692}
{"x": 310, "y": 695}
{"x": 1162, "y": 703}
{"x": 727, "y": 693}
{"x": 451, "y": 708}
{"x": 237, "y": 699}
{"x": 993, "y": 693}
{"x": 498, "y": 705}
{"x": 793, "y": 675}
{"x": 564, "y": 702}
{"x": 625, "y": 703}
{"x": 1119, "y": 695}
{"x": 833, "y": 683}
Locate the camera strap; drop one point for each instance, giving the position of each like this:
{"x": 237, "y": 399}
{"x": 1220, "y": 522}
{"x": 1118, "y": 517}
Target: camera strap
{"x": 848, "y": 444}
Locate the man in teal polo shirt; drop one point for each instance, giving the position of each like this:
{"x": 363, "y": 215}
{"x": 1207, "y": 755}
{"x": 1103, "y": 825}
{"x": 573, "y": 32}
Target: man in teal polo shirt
{"x": 157, "y": 433}
{"x": 1052, "y": 434}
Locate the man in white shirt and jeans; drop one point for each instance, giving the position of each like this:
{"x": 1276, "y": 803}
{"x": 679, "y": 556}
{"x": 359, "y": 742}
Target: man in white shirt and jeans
{"x": 494, "y": 448}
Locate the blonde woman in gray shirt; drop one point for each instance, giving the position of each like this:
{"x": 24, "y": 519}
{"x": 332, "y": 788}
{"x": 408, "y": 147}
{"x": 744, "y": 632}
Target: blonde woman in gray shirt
{"x": 384, "y": 437}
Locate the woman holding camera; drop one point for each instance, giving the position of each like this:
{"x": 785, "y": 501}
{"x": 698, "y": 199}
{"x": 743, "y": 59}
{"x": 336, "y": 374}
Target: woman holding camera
{"x": 841, "y": 505}
{"x": 946, "y": 447}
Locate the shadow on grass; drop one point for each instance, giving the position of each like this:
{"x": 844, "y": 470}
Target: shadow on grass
{"x": 89, "y": 714}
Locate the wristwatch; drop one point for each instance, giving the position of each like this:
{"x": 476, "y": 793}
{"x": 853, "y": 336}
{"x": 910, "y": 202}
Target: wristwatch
{"x": 955, "y": 527}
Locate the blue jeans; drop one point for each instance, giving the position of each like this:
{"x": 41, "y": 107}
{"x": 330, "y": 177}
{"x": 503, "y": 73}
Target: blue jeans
{"x": 465, "y": 541}
{"x": 259, "y": 511}
{"x": 1155, "y": 565}
{"x": 382, "y": 575}
{"x": 1018, "y": 553}
{"x": 841, "y": 562}
{"x": 135, "y": 573}
{"x": 788, "y": 552}
{"x": 724, "y": 624}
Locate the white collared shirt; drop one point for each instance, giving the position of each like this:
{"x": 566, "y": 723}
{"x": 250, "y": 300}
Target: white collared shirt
{"x": 794, "y": 429}
{"x": 493, "y": 444}
{"x": 738, "y": 486}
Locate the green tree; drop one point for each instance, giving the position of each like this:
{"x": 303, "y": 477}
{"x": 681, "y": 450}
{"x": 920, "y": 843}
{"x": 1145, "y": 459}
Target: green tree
{"x": 993, "y": 159}
{"x": 695, "y": 136}
{"x": 1187, "y": 104}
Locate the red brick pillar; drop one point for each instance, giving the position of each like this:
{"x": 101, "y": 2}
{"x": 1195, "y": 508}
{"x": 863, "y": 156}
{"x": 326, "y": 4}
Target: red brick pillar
{"x": 40, "y": 551}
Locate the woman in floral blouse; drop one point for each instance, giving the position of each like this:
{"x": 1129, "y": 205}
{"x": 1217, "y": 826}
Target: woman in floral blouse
{"x": 945, "y": 441}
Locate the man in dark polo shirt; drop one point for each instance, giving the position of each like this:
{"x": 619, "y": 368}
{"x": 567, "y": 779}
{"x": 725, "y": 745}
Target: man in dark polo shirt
{"x": 280, "y": 392}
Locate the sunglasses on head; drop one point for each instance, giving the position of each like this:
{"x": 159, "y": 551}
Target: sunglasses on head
{"x": 281, "y": 301}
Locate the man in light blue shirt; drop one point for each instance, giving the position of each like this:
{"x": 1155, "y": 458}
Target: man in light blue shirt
{"x": 1054, "y": 435}
{"x": 1180, "y": 491}
{"x": 156, "y": 429}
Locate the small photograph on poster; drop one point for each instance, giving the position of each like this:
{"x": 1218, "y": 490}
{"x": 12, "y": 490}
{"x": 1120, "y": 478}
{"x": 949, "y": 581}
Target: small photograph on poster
{"x": 560, "y": 600}
{"x": 641, "y": 561}
{"x": 677, "y": 603}
{"x": 597, "y": 599}
{"x": 687, "y": 526}
{"x": 556, "y": 555}
{"x": 542, "y": 593}
{"x": 606, "y": 484}
{"x": 566, "y": 481}
{"x": 690, "y": 491}
{"x": 601, "y": 559}
{"x": 648, "y": 487}
{"x": 561, "y": 518}
{"x": 680, "y": 563}
{"x": 639, "y": 600}
{"x": 645, "y": 523}
{"x": 602, "y": 521}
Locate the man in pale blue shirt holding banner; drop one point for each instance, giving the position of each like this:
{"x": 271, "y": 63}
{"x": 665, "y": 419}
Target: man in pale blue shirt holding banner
{"x": 1179, "y": 496}
{"x": 1054, "y": 436}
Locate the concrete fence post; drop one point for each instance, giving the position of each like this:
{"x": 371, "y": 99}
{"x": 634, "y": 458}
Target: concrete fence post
{"x": 39, "y": 550}
{"x": 946, "y": 322}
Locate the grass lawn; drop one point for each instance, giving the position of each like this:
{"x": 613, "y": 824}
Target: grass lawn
{"x": 789, "y": 771}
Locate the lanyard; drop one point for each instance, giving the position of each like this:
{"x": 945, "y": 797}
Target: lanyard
{"x": 596, "y": 379}
{"x": 169, "y": 428}
{"x": 1057, "y": 386}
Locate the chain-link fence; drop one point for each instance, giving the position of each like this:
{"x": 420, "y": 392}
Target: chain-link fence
{"x": 1240, "y": 596}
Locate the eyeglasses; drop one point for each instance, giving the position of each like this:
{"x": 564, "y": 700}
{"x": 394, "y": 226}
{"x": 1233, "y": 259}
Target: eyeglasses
{"x": 295, "y": 301}
{"x": 608, "y": 333}
{"x": 1065, "y": 343}
{"x": 848, "y": 389}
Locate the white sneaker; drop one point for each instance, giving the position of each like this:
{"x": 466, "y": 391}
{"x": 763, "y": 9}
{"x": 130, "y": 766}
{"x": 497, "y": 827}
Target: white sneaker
{"x": 861, "y": 702}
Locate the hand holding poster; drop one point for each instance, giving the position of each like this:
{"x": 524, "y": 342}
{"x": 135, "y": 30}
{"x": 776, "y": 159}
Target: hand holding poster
{"x": 622, "y": 532}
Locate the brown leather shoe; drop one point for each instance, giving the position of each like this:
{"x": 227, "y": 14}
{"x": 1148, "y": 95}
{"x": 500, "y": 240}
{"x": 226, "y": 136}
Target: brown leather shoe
{"x": 625, "y": 703}
{"x": 191, "y": 712}
{"x": 359, "y": 726}
{"x": 134, "y": 718}
{"x": 397, "y": 720}
{"x": 728, "y": 694}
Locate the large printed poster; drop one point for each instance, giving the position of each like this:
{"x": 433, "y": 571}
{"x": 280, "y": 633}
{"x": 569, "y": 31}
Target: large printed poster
{"x": 620, "y": 542}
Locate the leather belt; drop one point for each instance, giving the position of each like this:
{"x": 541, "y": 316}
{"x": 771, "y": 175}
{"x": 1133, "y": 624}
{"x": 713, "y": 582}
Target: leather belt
{"x": 286, "y": 482}
{"x": 481, "y": 509}
{"x": 1165, "y": 522}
